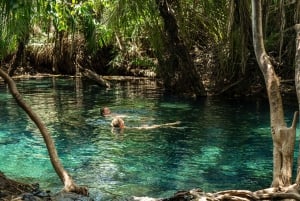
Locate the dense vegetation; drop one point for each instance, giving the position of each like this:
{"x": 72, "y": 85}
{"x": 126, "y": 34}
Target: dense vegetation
{"x": 195, "y": 47}
{"x": 205, "y": 44}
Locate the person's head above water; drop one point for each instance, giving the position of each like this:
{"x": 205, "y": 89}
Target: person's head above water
{"x": 118, "y": 123}
{"x": 105, "y": 111}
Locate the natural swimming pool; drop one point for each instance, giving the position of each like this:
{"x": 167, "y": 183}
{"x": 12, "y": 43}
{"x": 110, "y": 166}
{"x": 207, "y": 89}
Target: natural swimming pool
{"x": 220, "y": 144}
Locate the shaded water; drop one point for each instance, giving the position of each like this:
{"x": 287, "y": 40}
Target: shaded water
{"x": 220, "y": 143}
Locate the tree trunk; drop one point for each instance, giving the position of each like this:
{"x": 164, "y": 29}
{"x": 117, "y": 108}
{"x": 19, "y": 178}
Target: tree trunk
{"x": 179, "y": 72}
{"x": 283, "y": 137}
{"x": 69, "y": 184}
{"x": 297, "y": 84}
{"x": 17, "y": 59}
{"x": 57, "y": 53}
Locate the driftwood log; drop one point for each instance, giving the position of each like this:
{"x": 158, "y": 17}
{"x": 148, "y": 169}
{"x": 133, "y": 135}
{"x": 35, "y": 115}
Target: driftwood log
{"x": 95, "y": 77}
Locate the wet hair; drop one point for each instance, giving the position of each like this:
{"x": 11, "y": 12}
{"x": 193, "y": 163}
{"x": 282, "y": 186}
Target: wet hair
{"x": 118, "y": 123}
{"x": 105, "y": 111}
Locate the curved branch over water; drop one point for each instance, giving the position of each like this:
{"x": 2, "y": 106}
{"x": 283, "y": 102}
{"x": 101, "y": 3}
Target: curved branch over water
{"x": 69, "y": 184}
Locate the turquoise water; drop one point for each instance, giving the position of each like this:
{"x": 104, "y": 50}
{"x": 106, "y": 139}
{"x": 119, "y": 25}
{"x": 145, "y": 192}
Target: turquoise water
{"x": 220, "y": 144}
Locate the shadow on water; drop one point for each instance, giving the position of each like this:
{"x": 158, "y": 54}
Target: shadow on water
{"x": 220, "y": 143}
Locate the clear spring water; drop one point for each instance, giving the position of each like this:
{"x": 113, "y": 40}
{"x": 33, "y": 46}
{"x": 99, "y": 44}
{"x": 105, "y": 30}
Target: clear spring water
{"x": 220, "y": 144}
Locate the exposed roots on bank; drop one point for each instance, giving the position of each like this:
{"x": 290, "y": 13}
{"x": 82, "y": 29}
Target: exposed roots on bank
{"x": 291, "y": 192}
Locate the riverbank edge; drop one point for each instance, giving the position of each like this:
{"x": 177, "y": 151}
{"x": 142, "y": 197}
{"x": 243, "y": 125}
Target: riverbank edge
{"x": 11, "y": 189}
{"x": 287, "y": 87}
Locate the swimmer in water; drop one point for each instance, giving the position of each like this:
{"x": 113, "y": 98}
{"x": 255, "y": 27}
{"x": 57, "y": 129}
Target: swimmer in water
{"x": 105, "y": 111}
{"x": 118, "y": 122}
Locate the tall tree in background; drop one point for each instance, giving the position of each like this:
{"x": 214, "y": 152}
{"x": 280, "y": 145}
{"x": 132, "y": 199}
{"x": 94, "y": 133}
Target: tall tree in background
{"x": 238, "y": 41}
{"x": 23, "y": 19}
{"x": 283, "y": 137}
{"x": 297, "y": 82}
{"x": 178, "y": 70}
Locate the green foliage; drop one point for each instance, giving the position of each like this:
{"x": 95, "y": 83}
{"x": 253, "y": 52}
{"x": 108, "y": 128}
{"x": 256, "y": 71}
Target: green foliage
{"x": 143, "y": 62}
{"x": 7, "y": 46}
{"x": 105, "y": 35}
{"x": 203, "y": 18}
{"x": 135, "y": 28}
{"x": 15, "y": 22}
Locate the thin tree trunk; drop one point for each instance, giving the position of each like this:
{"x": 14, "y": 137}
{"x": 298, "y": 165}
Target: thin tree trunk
{"x": 283, "y": 137}
{"x": 17, "y": 59}
{"x": 297, "y": 13}
{"x": 69, "y": 184}
{"x": 282, "y": 27}
{"x": 297, "y": 84}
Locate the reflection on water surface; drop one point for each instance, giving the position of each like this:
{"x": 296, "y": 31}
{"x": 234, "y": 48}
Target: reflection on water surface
{"x": 220, "y": 144}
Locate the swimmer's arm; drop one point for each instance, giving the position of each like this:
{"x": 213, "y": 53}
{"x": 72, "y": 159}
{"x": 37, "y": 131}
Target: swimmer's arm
{"x": 157, "y": 125}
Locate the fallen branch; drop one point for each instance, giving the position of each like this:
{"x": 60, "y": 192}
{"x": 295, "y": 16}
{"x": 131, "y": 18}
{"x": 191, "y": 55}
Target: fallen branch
{"x": 95, "y": 77}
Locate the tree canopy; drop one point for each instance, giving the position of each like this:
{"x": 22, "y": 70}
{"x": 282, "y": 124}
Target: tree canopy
{"x": 115, "y": 37}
